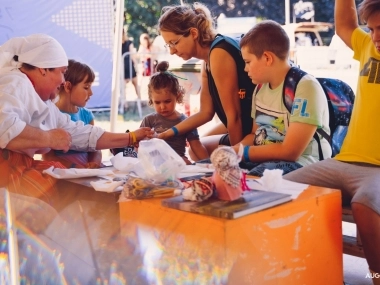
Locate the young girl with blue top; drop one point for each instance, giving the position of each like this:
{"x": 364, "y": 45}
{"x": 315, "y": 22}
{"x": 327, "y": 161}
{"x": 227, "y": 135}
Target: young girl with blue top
{"x": 73, "y": 96}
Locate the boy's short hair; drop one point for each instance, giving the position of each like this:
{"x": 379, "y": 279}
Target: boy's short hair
{"x": 267, "y": 35}
{"x": 367, "y": 8}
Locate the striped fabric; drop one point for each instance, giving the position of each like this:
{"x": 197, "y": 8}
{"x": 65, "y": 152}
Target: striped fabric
{"x": 22, "y": 174}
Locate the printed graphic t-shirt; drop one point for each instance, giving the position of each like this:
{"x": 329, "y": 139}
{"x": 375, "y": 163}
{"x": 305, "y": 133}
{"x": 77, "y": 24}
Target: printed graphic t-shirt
{"x": 273, "y": 118}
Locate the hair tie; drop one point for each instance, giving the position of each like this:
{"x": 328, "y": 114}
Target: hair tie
{"x": 172, "y": 74}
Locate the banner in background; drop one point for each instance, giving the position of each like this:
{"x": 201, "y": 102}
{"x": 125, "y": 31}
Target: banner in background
{"x": 83, "y": 27}
{"x": 303, "y": 11}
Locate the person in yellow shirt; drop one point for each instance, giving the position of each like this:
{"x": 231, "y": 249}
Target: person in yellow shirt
{"x": 356, "y": 169}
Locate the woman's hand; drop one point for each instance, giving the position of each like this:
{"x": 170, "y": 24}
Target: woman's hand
{"x": 143, "y": 133}
{"x": 164, "y": 135}
{"x": 93, "y": 165}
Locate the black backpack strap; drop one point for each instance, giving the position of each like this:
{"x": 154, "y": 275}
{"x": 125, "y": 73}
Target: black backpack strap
{"x": 322, "y": 82}
{"x": 320, "y": 152}
{"x": 257, "y": 89}
{"x": 324, "y": 135}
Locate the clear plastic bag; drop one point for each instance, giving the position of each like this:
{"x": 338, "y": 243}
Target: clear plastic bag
{"x": 158, "y": 162}
{"x": 138, "y": 188}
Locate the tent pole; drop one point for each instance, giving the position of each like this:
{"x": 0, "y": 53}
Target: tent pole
{"x": 119, "y": 21}
{"x": 287, "y": 12}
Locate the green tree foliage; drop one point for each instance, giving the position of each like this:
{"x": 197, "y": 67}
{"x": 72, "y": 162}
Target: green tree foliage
{"x": 142, "y": 15}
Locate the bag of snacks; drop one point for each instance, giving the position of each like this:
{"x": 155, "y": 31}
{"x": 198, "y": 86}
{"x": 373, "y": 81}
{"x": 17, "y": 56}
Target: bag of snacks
{"x": 139, "y": 188}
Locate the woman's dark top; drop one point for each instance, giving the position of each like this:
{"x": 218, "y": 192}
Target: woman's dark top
{"x": 246, "y": 88}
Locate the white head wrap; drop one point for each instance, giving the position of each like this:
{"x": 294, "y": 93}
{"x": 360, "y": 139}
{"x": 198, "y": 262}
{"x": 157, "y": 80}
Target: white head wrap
{"x": 38, "y": 50}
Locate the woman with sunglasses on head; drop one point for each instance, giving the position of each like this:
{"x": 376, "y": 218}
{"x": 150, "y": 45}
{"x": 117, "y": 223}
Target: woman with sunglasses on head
{"x": 226, "y": 89}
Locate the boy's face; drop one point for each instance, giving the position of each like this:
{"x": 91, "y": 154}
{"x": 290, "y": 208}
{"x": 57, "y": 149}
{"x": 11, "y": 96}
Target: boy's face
{"x": 373, "y": 24}
{"x": 253, "y": 65}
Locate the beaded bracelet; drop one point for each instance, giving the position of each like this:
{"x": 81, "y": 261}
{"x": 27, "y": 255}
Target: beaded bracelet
{"x": 175, "y": 130}
{"x": 245, "y": 153}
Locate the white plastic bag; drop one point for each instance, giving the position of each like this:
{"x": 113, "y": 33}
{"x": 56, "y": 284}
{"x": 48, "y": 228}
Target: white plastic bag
{"x": 123, "y": 163}
{"x": 158, "y": 161}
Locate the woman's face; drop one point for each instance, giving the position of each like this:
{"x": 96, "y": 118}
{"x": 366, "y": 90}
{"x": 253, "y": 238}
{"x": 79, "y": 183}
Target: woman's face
{"x": 48, "y": 86}
{"x": 179, "y": 45}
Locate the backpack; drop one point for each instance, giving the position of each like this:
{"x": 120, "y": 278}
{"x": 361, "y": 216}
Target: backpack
{"x": 340, "y": 100}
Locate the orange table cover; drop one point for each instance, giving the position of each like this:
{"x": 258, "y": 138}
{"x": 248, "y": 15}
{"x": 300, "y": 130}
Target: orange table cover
{"x": 299, "y": 242}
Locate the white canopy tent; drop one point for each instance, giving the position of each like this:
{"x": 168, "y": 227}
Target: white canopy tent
{"x": 287, "y": 12}
{"x": 117, "y": 57}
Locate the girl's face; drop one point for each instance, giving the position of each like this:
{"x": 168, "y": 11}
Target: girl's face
{"x": 81, "y": 93}
{"x": 164, "y": 103}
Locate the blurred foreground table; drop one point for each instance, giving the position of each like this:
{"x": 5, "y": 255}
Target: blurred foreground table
{"x": 299, "y": 242}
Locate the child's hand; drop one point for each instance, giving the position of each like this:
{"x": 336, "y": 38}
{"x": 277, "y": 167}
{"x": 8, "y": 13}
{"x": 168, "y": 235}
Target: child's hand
{"x": 143, "y": 133}
{"x": 92, "y": 165}
{"x": 236, "y": 147}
